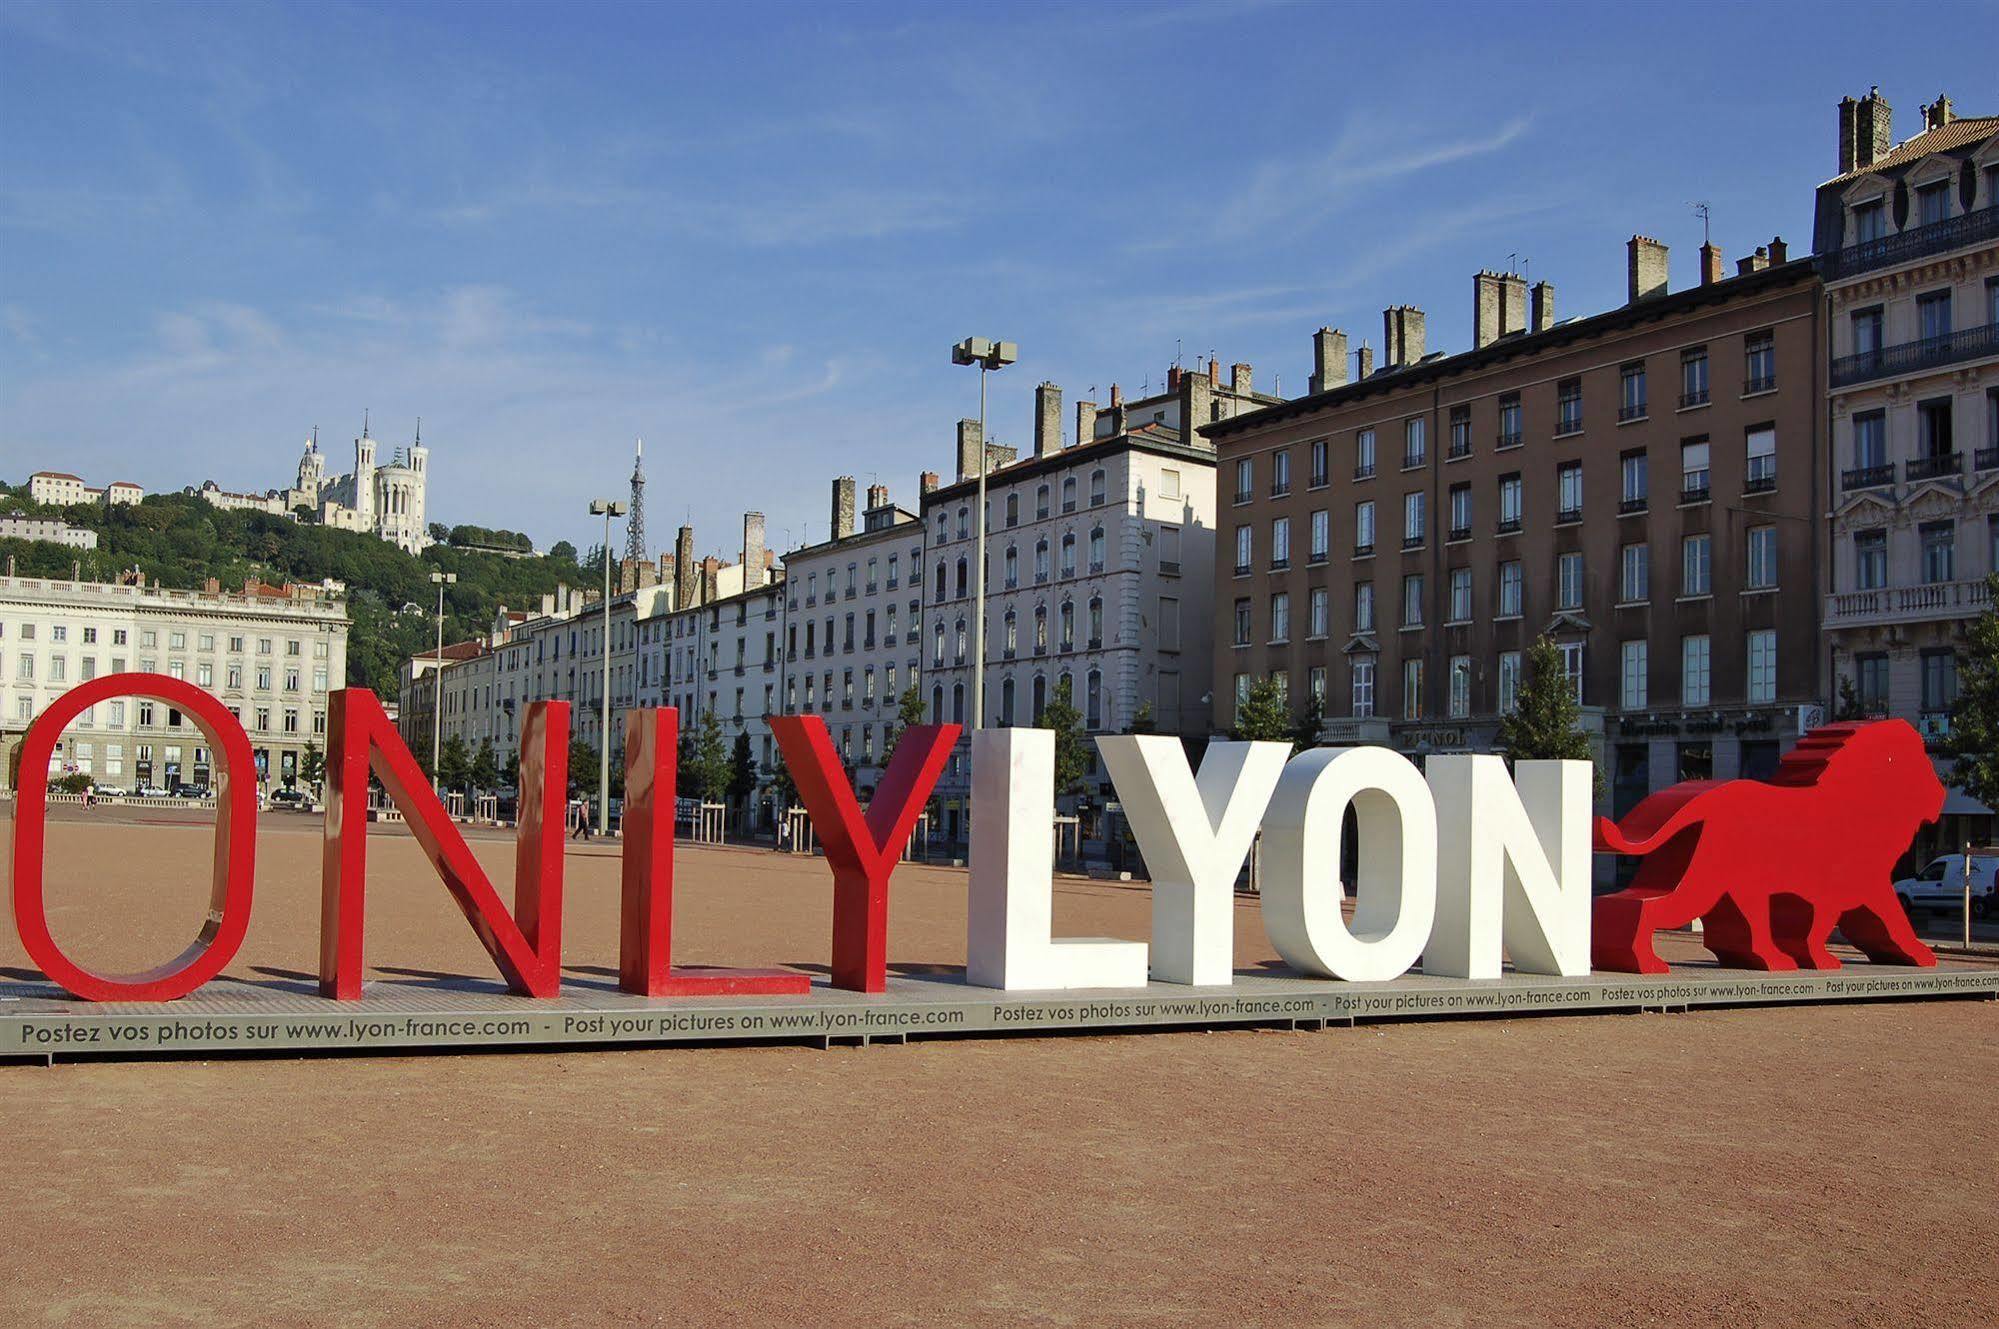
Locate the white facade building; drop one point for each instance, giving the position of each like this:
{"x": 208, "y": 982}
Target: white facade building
{"x": 49, "y": 530}
{"x": 271, "y": 654}
{"x": 852, "y": 619}
{"x": 63, "y": 490}
{"x": 383, "y": 499}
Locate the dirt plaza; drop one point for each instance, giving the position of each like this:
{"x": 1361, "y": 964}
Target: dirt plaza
{"x": 1724, "y": 1167}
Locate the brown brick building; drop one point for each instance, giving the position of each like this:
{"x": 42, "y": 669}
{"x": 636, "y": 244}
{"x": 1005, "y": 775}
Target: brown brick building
{"x": 1639, "y": 485}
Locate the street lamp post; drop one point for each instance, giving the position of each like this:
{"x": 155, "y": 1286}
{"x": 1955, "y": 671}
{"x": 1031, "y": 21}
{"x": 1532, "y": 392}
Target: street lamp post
{"x": 987, "y": 355}
{"x": 440, "y": 580}
{"x": 607, "y": 508}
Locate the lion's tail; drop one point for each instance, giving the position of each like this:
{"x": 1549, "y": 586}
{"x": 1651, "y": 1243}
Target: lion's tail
{"x": 1648, "y": 832}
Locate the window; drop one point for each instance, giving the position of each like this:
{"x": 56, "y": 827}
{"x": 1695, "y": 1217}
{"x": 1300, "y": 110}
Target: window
{"x": 1870, "y": 446}
{"x": 1012, "y": 519}
{"x": 1097, "y": 549}
{"x": 1010, "y": 562}
{"x": 1693, "y": 377}
{"x": 1631, "y": 392}
{"x": 1939, "y": 541}
{"x": 1933, "y": 314}
{"x": 1412, "y": 689}
{"x": 1572, "y": 666}
{"x": 1097, "y": 489}
{"x": 1280, "y": 617}
{"x": 1939, "y": 682}
{"x": 1363, "y": 450}
{"x": 1280, "y": 543}
{"x": 1010, "y": 633}
{"x": 1315, "y": 683}
{"x": 1169, "y": 483}
{"x": 1280, "y": 474}
{"x": 1509, "y": 420}
{"x": 1694, "y": 670}
{"x": 1318, "y": 614}
{"x": 1762, "y": 570}
{"x": 1006, "y": 701}
{"x": 1363, "y": 606}
{"x": 1242, "y": 621}
{"x": 1693, "y": 470}
{"x": 1871, "y": 679}
{"x": 1244, "y": 548}
{"x": 1041, "y": 559}
{"x": 1870, "y": 560}
{"x": 1460, "y": 432}
{"x": 1363, "y": 527}
{"x": 1933, "y": 437}
{"x": 1362, "y": 694}
{"x": 1631, "y": 686}
{"x": 1569, "y": 491}
{"x": 1460, "y": 595}
{"x": 1569, "y": 406}
{"x": 1245, "y": 479}
{"x": 1509, "y": 680}
{"x": 1320, "y": 468}
{"x": 1635, "y": 472}
{"x": 1040, "y": 629}
{"x": 1322, "y": 535}
{"x": 1460, "y": 681}
{"x": 1569, "y": 581}
{"x": 1697, "y": 565}
{"x": 1870, "y": 222}
{"x": 1634, "y": 573}
{"x": 1509, "y": 588}
{"x": 1412, "y": 600}
{"x": 1413, "y": 519}
{"x": 1093, "y": 692}
{"x": 1096, "y": 621}
{"x": 1866, "y": 326}
{"x": 1759, "y": 362}
{"x": 1169, "y": 623}
{"x": 1069, "y": 493}
{"x": 1066, "y": 617}
{"x": 1933, "y": 203}
{"x": 1760, "y": 474}
{"x": 1461, "y": 511}
{"x": 1509, "y": 502}
{"x": 1414, "y": 442}
{"x": 1763, "y": 666}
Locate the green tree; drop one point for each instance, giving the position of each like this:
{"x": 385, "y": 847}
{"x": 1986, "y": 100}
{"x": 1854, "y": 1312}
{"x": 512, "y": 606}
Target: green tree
{"x": 1072, "y": 746}
{"x": 1974, "y": 717}
{"x": 742, "y": 771}
{"x": 1141, "y": 719}
{"x": 1306, "y": 734}
{"x": 777, "y": 779}
{"x": 582, "y": 764}
{"x": 1545, "y": 723}
{"x": 908, "y": 711}
{"x": 1263, "y": 715}
{"x": 562, "y": 552}
{"x": 312, "y": 765}
{"x": 1848, "y": 705}
{"x": 484, "y": 772}
{"x": 710, "y": 764}
{"x": 454, "y": 763}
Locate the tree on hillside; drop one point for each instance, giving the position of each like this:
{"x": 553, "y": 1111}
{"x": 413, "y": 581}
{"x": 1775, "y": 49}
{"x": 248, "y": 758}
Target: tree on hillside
{"x": 1072, "y": 746}
{"x": 1974, "y": 718}
{"x": 1263, "y": 715}
{"x": 1545, "y": 723}
{"x": 562, "y": 552}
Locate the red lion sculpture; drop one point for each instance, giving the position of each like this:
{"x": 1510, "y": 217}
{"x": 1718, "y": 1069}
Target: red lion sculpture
{"x": 1772, "y": 867}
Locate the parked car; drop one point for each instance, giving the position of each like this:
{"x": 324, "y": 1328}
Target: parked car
{"x": 296, "y": 799}
{"x": 150, "y": 791}
{"x": 110, "y": 791}
{"x": 1940, "y": 885}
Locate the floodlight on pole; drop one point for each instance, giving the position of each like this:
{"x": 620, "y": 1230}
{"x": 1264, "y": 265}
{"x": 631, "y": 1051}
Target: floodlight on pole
{"x": 988, "y": 355}
{"x": 439, "y": 580}
{"x": 607, "y": 508}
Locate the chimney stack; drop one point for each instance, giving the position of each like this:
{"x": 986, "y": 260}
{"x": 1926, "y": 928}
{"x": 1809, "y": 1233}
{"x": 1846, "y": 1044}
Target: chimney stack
{"x": 1214, "y": 372}
{"x": 1756, "y": 262}
{"x": 1047, "y": 420}
{"x": 1873, "y": 137}
{"x": 1779, "y": 251}
{"x": 1402, "y": 331}
{"x": 1117, "y": 396}
{"x": 753, "y": 550}
{"x": 1086, "y": 421}
{"x": 877, "y": 497}
{"x": 843, "y": 507}
{"x": 926, "y": 484}
{"x": 1240, "y": 381}
{"x": 1485, "y": 319}
{"x": 1645, "y": 269}
{"x": 1541, "y": 316}
{"x": 1849, "y": 115}
{"x": 1938, "y": 114}
{"x": 1364, "y": 362}
{"x": 1710, "y": 264}
{"x": 1512, "y": 304}
{"x": 971, "y": 442}
{"x": 683, "y": 568}
{"x": 1329, "y": 359}
{"x": 711, "y": 588}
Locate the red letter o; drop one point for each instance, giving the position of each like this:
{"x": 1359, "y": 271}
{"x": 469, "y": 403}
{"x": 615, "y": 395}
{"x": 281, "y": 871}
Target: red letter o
{"x": 235, "y": 842}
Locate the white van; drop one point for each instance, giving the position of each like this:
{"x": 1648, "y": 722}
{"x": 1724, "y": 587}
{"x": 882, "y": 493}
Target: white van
{"x": 1941, "y": 885}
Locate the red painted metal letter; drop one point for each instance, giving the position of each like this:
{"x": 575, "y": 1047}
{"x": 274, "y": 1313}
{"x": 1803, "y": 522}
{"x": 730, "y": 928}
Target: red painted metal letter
{"x": 235, "y": 783}
{"x": 863, "y": 851}
{"x": 645, "y": 947}
{"x": 526, "y": 946}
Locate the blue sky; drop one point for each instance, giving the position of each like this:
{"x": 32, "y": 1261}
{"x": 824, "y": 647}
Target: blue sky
{"x": 751, "y": 232}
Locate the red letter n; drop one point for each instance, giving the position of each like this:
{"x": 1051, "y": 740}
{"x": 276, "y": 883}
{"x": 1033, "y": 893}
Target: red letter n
{"x": 526, "y": 946}
{"x": 863, "y": 851}
{"x": 645, "y": 948}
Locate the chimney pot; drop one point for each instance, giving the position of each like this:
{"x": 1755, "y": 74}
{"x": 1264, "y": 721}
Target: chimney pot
{"x": 842, "y": 524}
{"x": 1485, "y": 317}
{"x": 1047, "y": 420}
{"x": 1403, "y": 335}
{"x": 1542, "y": 315}
{"x": 1117, "y": 396}
{"x": 971, "y": 442}
{"x": 1240, "y": 380}
{"x": 1364, "y": 362}
{"x": 753, "y": 550}
{"x": 1214, "y": 372}
{"x": 1329, "y": 359}
{"x": 1779, "y": 251}
{"x": 1711, "y": 267}
{"x": 1645, "y": 269}
{"x": 1873, "y": 133}
{"x": 1086, "y": 421}
{"x": 926, "y": 483}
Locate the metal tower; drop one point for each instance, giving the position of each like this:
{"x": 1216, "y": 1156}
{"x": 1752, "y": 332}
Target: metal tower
{"x": 635, "y": 522}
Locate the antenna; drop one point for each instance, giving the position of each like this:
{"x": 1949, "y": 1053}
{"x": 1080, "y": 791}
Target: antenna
{"x": 1176, "y": 352}
{"x": 419, "y": 431}
{"x": 1701, "y": 210}
{"x": 364, "y": 422}
{"x": 635, "y": 523}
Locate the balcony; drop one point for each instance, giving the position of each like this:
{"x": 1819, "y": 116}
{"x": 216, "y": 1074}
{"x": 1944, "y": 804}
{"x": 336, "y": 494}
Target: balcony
{"x": 1096, "y": 643}
{"x": 1507, "y": 526}
{"x": 1760, "y": 484}
{"x": 1914, "y": 243}
{"x": 1626, "y": 414}
{"x": 1506, "y": 441}
{"x": 1568, "y": 516}
{"x": 1907, "y": 604}
{"x": 1627, "y": 506}
{"x": 1695, "y": 490}
{"x": 1280, "y": 564}
{"x": 1761, "y": 383}
{"x": 1460, "y": 449}
{"x": 1242, "y": 496}
{"x": 1364, "y": 471}
{"x": 1698, "y": 397}
{"x": 1412, "y": 542}
{"x": 1316, "y": 557}
{"x": 1985, "y": 459}
{"x": 1363, "y": 548}
{"x": 1242, "y": 569}
{"x": 1280, "y": 488}
{"x": 1934, "y": 726}
{"x": 1911, "y": 357}
{"x": 1867, "y": 477}
{"x": 1458, "y": 533}
{"x": 1932, "y": 468}
{"x": 1169, "y": 567}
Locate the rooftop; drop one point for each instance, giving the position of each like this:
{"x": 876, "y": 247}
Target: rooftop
{"x": 1956, "y": 134}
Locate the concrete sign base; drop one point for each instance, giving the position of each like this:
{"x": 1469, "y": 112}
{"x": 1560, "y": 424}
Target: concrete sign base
{"x": 39, "y": 1022}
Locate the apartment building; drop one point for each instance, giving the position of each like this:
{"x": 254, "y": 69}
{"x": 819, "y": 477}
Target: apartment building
{"x": 1638, "y": 485}
{"x": 61, "y": 489}
{"x": 1909, "y": 243}
{"x": 852, "y": 622}
{"x": 1096, "y": 568}
{"x": 270, "y": 653}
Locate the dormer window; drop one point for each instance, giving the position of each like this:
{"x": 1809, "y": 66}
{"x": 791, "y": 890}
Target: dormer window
{"x": 1933, "y": 203}
{"x": 1870, "y": 222}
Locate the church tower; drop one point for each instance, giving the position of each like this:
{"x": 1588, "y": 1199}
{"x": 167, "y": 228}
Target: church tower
{"x": 364, "y": 473}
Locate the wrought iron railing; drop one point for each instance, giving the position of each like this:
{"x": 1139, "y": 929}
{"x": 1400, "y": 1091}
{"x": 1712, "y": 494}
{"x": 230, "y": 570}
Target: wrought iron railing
{"x": 1914, "y": 356}
{"x": 1917, "y": 242}
{"x": 1867, "y": 477}
{"x": 1930, "y": 468}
